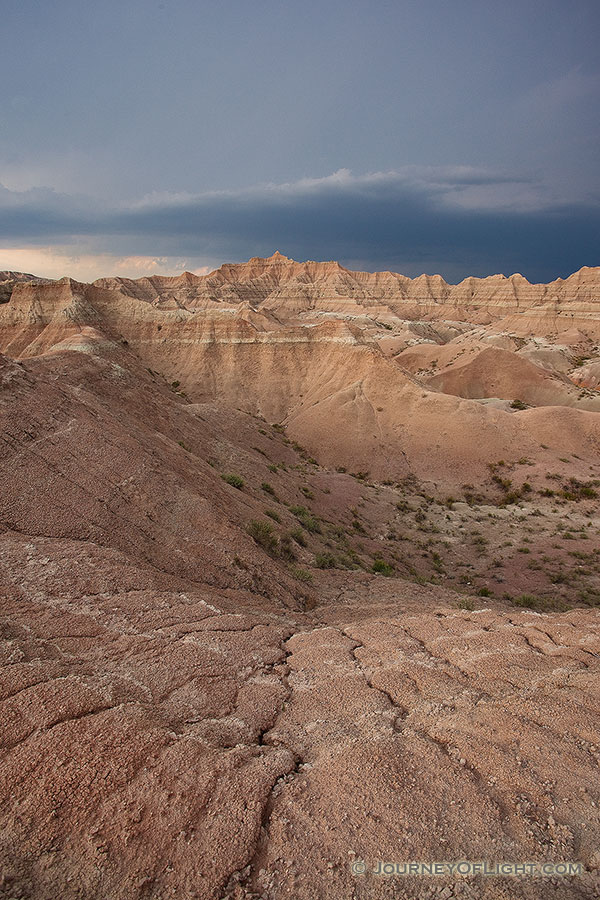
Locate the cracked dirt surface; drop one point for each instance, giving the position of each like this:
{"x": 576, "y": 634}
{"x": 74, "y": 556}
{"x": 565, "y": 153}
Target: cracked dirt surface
{"x": 168, "y": 744}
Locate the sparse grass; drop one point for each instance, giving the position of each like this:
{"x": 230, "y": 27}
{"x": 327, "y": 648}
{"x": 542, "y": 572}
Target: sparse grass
{"x": 268, "y": 488}
{"x": 527, "y": 600}
{"x": 531, "y": 601}
{"x": 298, "y": 535}
{"x": 578, "y": 490}
{"x": 380, "y": 567}
{"x": 325, "y": 561}
{"x": 300, "y": 574}
{"x": 306, "y": 519}
{"x": 262, "y": 533}
{"x": 234, "y": 480}
{"x": 466, "y": 603}
{"x": 286, "y": 548}
{"x": 272, "y": 515}
{"x": 438, "y": 563}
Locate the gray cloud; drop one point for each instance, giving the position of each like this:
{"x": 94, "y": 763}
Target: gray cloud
{"x": 455, "y": 220}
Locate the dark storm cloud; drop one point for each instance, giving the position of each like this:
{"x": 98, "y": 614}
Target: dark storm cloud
{"x": 112, "y": 101}
{"x": 456, "y": 221}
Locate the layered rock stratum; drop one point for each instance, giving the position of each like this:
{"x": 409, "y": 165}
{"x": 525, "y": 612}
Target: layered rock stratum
{"x": 299, "y": 569}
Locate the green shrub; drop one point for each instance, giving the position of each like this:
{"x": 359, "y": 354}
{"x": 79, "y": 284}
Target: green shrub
{"x": 272, "y": 515}
{"x": 268, "y": 488}
{"x": 325, "y": 561}
{"x": 504, "y": 483}
{"x": 438, "y": 563}
{"x": 380, "y": 567}
{"x": 518, "y": 404}
{"x": 262, "y": 533}
{"x": 308, "y": 521}
{"x": 234, "y": 480}
{"x": 299, "y": 449}
{"x": 298, "y": 535}
{"x": 466, "y": 603}
{"x": 300, "y": 574}
{"x": 578, "y": 490}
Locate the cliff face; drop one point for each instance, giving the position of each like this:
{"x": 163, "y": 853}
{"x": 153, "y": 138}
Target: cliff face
{"x": 9, "y": 279}
{"x": 362, "y": 366}
{"x": 288, "y": 287}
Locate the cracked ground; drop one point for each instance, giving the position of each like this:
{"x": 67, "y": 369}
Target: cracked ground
{"x": 182, "y": 718}
{"x": 167, "y": 744}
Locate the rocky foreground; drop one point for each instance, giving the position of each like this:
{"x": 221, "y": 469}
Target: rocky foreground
{"x": 187, "y": 743}
{"x": 230, "y": 668}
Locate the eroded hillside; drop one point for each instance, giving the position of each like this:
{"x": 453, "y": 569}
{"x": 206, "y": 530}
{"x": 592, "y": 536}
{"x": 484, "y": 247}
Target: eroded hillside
{"x": 288, "y": 583}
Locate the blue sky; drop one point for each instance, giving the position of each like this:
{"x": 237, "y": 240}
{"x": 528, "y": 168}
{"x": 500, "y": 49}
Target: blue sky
{"x": 455, "y": 137}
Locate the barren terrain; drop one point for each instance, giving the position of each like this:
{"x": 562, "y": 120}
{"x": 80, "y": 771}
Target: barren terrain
{"x": 300, "y": 568}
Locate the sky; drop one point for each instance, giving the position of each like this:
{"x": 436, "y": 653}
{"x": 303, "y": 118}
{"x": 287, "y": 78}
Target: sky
{"x": 155, "y": 136}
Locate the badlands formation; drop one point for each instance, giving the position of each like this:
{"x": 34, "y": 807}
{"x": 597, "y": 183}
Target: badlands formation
{"x": 300, "y": 574}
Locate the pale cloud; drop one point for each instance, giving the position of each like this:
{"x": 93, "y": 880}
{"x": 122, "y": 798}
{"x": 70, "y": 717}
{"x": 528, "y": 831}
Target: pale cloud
{"x": 56, "y": 262}
{"x": 429, "y": 180}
